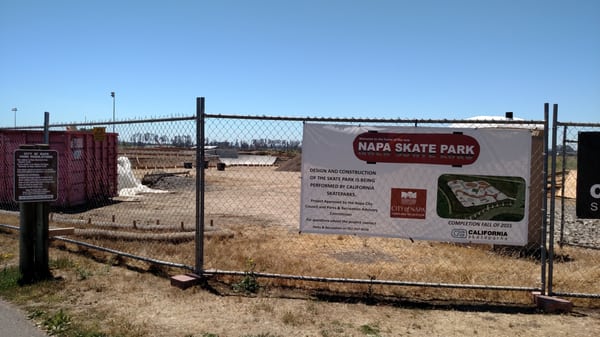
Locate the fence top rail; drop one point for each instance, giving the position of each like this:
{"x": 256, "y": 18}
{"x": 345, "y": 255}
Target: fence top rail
{"x": 593, "y": 125}
{"x": 129, "y": 121}
{"x": 379, "y": 120}
{"x": 537, "y": 123}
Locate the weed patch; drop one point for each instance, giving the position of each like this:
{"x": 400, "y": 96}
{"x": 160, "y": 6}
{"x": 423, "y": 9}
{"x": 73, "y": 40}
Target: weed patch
{"x": 370, "y": 330}
{"x": 58, "y": 323}
{"x": 9, "y": 279}
{"x": 249, "y": 283}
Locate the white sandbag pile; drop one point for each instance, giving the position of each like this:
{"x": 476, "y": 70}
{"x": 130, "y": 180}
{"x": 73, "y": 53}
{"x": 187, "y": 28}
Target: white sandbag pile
{"x": 128, "y": 184}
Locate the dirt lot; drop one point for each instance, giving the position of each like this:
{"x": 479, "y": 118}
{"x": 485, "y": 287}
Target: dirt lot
{"x": 261, "y": 193}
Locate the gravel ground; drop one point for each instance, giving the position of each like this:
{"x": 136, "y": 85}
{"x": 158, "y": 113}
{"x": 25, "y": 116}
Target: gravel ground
{"x": 576, "y": 232}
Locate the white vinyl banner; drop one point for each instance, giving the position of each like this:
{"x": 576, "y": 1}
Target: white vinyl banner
{"x": 441, "y": 184}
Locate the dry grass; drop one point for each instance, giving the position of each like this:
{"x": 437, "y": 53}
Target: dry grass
{"x": 279, "y": 250}
{"x": 379, "y": 259}
{"x": 120, "y": 298}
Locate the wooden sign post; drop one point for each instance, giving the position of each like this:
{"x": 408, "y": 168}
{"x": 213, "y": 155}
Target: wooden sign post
{"x": 35, "y": 186}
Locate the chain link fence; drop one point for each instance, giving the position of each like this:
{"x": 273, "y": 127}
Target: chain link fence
{"x": 242, "y": 188}
{"x": 253, "y": 203}
{"x": 576, "y": 241}
{"x": 130, "y": 191}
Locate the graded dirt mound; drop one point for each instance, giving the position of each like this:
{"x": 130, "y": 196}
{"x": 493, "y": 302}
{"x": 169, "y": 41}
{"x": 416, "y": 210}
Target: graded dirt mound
{"x": 291, "y": 165}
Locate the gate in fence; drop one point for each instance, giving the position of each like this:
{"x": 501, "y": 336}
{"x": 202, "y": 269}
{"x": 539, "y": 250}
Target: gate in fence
{"x": 575, "y": 220}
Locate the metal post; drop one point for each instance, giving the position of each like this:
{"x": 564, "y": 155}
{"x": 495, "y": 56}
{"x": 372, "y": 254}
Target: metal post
{"x": 42, "y": 223}
{"x": 200, "y": 182}
{"x": 552, "y": 200}
{"x": 112, "y": 94}
{"x": 545, "y": 201}
{"x": 562, "y": 188}
{"x": 46, "y": 128}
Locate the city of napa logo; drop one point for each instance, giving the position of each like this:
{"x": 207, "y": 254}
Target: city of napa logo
{"x": 408, "y": 203}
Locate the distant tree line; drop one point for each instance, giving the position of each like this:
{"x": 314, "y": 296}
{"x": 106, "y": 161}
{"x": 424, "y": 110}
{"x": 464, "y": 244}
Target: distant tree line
{"x": 148, "y": 138}
{"x": 256, "y": 144}
{"x": 152, "y": 139}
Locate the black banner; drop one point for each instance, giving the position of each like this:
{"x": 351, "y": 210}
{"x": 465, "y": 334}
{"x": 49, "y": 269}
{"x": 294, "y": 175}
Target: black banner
{"x": 588, "y": 175}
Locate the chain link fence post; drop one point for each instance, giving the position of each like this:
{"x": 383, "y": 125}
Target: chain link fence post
{"x": 553, "y": 199}
{"x": 543, "y": 245}
{"x": 199, "y": 185}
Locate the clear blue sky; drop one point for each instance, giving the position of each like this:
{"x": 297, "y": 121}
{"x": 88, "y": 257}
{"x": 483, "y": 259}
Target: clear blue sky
{"x": 336, "y": 58}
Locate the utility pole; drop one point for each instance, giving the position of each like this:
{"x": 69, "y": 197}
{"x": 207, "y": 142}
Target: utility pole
{"x": 14, "y": 110}
{"x": 112, "y": 94}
